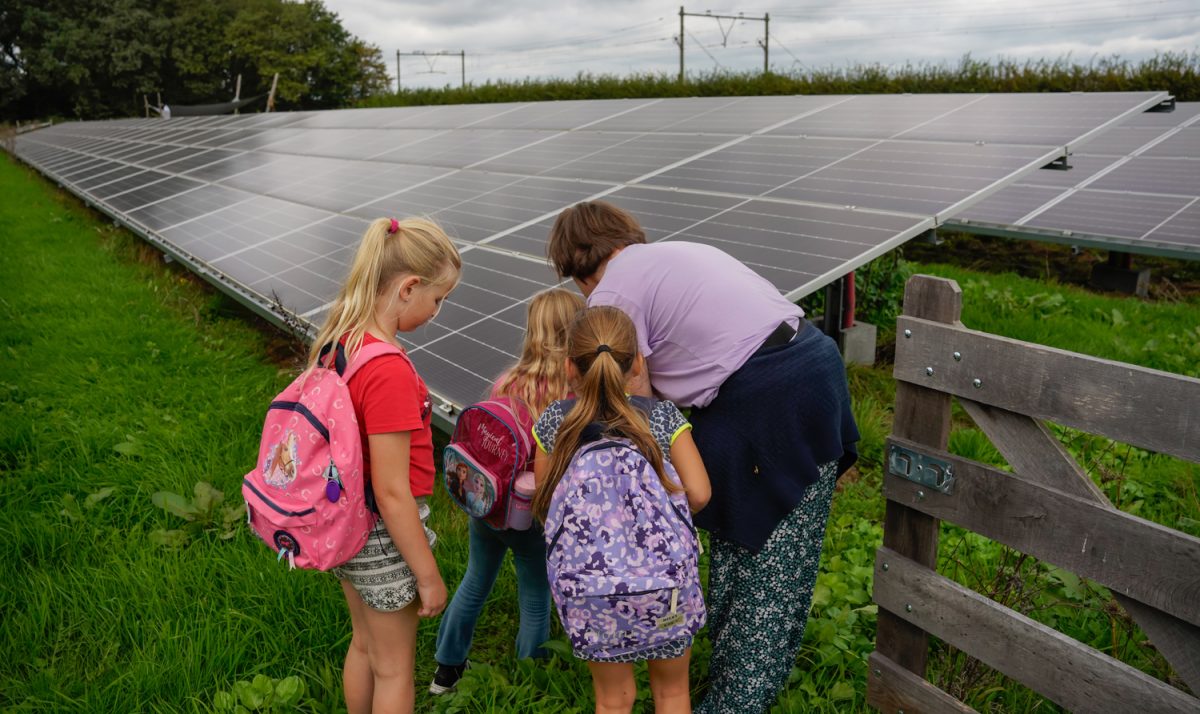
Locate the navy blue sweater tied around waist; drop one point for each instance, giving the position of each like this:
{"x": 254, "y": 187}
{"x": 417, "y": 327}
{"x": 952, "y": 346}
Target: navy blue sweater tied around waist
{"x": 773, "y": 423}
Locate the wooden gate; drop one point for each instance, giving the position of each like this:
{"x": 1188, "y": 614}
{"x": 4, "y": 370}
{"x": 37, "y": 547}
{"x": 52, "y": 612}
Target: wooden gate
{"x": 1047, "y": 507}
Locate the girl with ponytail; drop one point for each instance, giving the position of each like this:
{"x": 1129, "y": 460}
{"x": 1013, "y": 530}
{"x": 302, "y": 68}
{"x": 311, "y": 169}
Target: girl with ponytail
{"x": 401, "y": 273}
{"x": 602, "y": 360}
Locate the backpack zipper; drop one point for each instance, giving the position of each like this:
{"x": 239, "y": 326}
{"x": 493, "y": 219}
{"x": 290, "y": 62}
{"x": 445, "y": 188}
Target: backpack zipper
{"x": 276, "y": 508}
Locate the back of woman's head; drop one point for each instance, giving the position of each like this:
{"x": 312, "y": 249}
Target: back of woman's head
{"x": 390, "y": 249}
{"x": 539, "y": 376}
{"x": 602, "y": 346}
{"x": 587, "y": 234}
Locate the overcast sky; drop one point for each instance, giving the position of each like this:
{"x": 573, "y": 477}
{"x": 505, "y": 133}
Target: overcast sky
{"x": 515, "y": 39}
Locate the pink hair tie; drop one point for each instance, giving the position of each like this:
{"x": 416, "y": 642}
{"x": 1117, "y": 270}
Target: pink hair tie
{"x": 394, "y": 227}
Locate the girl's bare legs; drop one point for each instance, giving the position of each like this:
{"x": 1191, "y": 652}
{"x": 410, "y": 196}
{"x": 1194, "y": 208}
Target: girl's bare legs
{"x": 357, "y": 682}
{"x": 614, "y": 687}
{"x": 391, "y": 642}
{"x": 669, "y": 684}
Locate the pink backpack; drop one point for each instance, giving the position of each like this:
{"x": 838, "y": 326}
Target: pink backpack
{"x": 490, "y": 447}
{"x": 306, "y": 497}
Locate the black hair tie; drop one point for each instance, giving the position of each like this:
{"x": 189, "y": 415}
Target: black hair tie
{"x": 603, "y": 348}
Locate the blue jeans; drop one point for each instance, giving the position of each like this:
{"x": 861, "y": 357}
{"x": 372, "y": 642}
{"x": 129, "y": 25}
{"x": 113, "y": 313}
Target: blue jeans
{"x": 487, "y": 549}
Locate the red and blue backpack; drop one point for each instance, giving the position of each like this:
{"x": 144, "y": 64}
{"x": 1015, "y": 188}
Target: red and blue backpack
{"x": 489, "y": 449}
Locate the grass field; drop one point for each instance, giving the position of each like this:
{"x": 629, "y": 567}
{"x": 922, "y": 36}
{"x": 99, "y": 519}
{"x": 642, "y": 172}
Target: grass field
{"x": 127, "y": 378}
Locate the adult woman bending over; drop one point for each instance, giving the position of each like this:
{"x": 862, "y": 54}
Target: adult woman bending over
{"x": 771, "y": 418}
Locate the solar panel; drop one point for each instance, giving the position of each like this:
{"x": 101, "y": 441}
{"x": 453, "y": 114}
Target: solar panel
{"x": 803, "y": 189}
{"x": 1134, "y": 189}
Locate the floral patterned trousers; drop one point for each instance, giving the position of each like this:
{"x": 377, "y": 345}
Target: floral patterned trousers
{"x": 758, "y": 605}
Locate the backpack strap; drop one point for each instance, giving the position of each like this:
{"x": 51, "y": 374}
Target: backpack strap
{"x": 366, "y": 353}
{"x": 606, "y": 444}
{"x": 523, "y": 433}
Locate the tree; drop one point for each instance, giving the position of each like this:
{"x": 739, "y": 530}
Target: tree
{"x": 320, "y": 64}
{"x": 95, "y": 58}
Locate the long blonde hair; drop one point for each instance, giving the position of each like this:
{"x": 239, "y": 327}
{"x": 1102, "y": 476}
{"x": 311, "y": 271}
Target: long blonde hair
{"x": 602, "y": 345}
{"x": 417, "y": 247}
{"x": 539, "y": 376}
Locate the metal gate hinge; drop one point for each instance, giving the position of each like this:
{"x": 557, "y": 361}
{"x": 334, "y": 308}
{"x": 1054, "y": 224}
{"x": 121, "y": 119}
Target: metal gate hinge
{"x": 919, "y": 468}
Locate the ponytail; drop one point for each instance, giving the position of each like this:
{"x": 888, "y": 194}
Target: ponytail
{"x": 602, "y": 345}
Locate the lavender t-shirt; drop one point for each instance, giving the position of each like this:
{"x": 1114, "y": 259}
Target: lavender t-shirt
{"x": 699, "y": 313}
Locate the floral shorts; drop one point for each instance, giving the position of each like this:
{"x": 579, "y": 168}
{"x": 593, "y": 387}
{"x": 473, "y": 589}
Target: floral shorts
{"x": 379, "y": 573}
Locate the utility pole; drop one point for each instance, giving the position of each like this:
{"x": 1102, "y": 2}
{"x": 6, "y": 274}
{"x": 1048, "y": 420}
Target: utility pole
{"x": 461, "y": 55}
{"x": 680, "y": 38}
{"x": 764, "y": 43}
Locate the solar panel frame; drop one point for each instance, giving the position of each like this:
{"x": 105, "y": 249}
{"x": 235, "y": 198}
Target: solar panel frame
{"x": 1134, "y": 192}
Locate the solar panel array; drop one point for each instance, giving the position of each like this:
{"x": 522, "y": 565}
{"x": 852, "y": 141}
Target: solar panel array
{"x": 803, "y": 189}
{"x": 1134, "y": 189}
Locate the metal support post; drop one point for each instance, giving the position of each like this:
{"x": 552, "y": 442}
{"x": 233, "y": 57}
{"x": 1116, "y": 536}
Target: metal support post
{"x": 835, "y": 299}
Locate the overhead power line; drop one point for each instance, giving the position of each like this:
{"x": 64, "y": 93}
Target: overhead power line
{"x": 765, "y": 44}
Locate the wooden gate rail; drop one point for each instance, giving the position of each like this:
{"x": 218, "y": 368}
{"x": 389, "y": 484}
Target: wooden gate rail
{"x": 1048, "y": 508}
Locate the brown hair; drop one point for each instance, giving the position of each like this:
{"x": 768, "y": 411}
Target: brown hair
{"x": 417, "y": 247}
{"x": 600, "y": 396}
{"x": 538, "y": 377}
{"x": 586, "y": 234}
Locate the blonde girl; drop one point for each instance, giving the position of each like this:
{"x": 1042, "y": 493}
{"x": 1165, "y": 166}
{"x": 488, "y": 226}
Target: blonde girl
{"x": 538, "y": 378}
{"x": 602, "y": 360}
{"x": 401, "y": 273}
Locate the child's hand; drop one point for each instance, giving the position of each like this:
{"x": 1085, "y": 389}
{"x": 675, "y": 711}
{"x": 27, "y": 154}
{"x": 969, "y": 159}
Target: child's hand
{"x": 432, "y": 596}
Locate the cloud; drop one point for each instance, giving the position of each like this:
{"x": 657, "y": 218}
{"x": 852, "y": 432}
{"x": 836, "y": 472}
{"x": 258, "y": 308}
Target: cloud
{"x": 516, "y": 39}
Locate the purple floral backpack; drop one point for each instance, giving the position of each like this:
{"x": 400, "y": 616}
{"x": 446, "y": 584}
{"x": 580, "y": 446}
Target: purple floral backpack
{"x": 621, "y": 555}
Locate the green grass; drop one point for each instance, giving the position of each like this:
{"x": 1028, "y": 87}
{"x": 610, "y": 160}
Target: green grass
{"x": 126, "y": 377}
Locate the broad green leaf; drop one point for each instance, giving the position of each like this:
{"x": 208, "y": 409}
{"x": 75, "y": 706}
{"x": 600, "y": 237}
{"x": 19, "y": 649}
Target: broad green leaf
{"x": 821, "y": 595}
{"x": 206, "y": 496}
{"x": 174, "y": 503}
{"x": 170, "y": 538}
{"x": 841, "y": 691}
{"x": 262, "y": 684}
{"x": 224, "y": 701}
{"x": 288, "y": 692}
{"x": 70, "y": 507}
{"x": 98, "y": 496}
{"x": 558, "y": 647}
{"x": 132, "y": 446}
